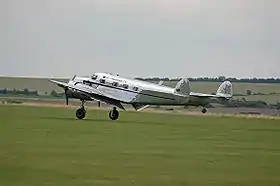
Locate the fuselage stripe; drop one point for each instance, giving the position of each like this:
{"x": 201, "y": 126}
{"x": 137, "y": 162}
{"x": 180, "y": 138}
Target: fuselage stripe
{"x": 127, "y": 90}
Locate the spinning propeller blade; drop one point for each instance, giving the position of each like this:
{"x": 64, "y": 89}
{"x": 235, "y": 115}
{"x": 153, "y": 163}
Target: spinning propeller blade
{"x": 66, "y": 96}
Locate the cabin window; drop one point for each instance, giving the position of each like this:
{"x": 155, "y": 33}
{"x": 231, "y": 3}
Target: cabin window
{"x": 87, "y": 83}
{"x": 94, "y": 77}
{"x": 125, "y": 86}
{"x": 135, "y": 88}
{"x": 102, "y": 80}
{"x": 115, "y": 84}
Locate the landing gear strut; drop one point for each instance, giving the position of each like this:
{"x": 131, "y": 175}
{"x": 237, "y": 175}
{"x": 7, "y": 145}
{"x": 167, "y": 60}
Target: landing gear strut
{"x": 114, "y": 114}
{"x": 81, "y": 112}
{"x": 204, "y": 110}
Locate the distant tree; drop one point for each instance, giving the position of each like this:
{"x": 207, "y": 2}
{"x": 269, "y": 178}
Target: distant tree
{"x": 221, "y": 78}
{"x": 248, "y": 92}
{"x": 54, "y": 93}
{"x": 25, "y": 91}
{"x": 35, "y": 93}
{"x": 3, "y": 91}
{"x": 216, "y": 79}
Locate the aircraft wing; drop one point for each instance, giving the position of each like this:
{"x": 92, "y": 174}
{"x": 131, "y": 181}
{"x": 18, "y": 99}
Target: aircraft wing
{"x": 60, "y": 84}
{"x": 91, "y": 93}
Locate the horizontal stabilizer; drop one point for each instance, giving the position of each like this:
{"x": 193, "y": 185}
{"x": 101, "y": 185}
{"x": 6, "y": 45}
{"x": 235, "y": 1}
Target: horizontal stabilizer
{"x": 224, "y": 91}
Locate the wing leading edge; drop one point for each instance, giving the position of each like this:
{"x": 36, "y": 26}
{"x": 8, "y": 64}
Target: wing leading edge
{"x": 59, "y": 83}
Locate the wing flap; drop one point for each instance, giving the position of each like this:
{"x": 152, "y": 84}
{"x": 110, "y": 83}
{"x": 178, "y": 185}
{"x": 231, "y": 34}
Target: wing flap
{"x": 139, "y": 107}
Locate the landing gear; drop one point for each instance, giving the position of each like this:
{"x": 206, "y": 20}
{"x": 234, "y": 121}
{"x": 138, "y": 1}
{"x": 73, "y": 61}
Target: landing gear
{"x": 204, "y": 110}
{"x": 114, "y": 114}
{"x": 81, "y": 112}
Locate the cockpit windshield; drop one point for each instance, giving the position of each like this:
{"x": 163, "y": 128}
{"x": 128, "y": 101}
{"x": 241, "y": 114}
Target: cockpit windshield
{"x": 94, "y": 77}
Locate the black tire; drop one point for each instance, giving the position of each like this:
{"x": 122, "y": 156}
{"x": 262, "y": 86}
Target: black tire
{"x": 204, "y": 110}
{"x": 80, "y": 113}
{"x": 114, "y": 114}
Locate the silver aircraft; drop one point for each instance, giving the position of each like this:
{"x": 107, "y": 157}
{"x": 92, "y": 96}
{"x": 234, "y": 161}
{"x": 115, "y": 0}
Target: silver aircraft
{"x": 116, "y": 91}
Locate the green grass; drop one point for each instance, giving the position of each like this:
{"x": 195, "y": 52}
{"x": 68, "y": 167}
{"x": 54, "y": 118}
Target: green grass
{"x": 48, "y": 146}
{"x": 42, "y": 85}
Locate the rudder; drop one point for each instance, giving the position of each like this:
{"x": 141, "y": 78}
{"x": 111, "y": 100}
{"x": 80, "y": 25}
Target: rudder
{"x": 183, "y": 87}
{"x": 225, "y": 90}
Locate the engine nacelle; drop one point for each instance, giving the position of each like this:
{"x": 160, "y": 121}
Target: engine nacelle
{"x": 77, "y": 95}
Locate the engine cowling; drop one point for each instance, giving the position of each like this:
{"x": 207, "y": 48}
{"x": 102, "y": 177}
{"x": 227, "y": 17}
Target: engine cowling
{"x": 77, "y": 95}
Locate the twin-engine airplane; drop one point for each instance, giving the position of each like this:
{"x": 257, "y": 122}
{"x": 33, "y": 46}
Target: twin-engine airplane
{"x": 116, "y": 91}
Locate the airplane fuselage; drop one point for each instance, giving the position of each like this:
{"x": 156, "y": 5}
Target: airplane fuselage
{"x": 130, "y": 90}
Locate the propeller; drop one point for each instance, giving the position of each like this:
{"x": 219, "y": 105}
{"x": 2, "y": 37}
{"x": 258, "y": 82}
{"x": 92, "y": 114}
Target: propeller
{"x": 66, "y": 95}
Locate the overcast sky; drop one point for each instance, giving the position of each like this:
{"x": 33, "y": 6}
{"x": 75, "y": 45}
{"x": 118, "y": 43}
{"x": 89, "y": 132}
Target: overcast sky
{"x": 170, "y": 38}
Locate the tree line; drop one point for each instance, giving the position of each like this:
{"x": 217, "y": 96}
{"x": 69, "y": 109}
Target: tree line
{"x": 20, "y": 92}
{"x": 216, "y": 79}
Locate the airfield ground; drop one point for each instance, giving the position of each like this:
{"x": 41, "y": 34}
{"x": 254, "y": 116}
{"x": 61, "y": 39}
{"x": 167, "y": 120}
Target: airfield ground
{"x": 49, "y": 146}
{"x": 216, "y": 111}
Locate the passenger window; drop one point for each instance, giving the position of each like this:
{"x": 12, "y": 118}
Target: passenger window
{"x": 115, "y": 84}
{"x": 125, "y": 86}
{"x": 102, "y": 80}
{"x": 94, "y": 77}
{"x": 87, "y": 83}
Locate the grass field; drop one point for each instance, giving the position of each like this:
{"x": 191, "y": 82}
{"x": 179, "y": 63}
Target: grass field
{"x": 48, "y": 146}
{"x": 43, "y": 86}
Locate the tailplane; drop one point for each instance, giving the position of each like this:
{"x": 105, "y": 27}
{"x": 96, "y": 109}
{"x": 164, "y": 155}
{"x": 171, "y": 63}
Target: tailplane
{"x": 225, "y": 90}
{"x": 183, "y": 87}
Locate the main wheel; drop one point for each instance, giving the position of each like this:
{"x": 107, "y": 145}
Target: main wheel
{"x": 114, "y": 114}
{"x": 80, "y": 113}
{"x": 204, "y": 110}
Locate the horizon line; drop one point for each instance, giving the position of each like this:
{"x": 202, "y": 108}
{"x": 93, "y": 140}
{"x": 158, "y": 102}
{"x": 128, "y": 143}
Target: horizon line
{"x": 144, "y": 77}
